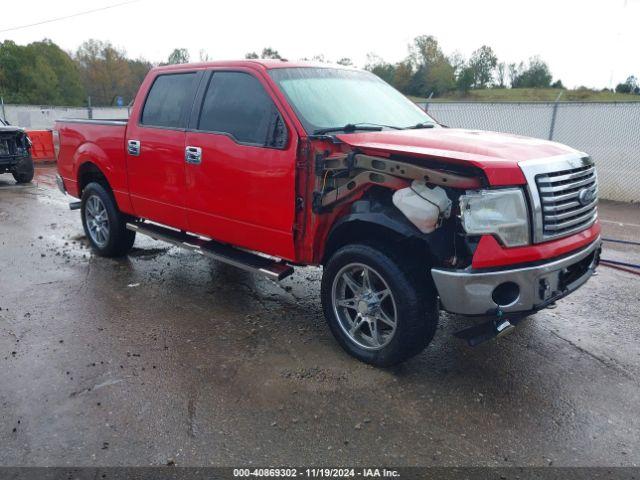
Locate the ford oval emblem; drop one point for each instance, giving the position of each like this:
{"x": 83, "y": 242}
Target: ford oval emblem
{"x": 586, "y": 196}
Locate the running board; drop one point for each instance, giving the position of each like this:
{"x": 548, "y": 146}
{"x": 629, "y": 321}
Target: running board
{"x": 218, "y": 251}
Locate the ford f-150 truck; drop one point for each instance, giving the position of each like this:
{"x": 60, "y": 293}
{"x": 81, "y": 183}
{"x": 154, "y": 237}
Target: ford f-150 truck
{"x": 269, "y": 165}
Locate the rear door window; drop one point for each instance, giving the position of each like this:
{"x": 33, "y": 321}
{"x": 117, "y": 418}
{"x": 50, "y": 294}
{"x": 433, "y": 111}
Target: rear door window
{"x": 236, "y": 104}
{"x": 168, "y": 101}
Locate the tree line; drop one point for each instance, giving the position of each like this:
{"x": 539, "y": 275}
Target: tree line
{"x": 428, "y": 71}
{"x": 43, "y": 73}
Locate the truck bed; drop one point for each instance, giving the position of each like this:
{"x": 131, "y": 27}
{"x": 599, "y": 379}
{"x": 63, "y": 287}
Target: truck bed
{"x": 100, "y": 140}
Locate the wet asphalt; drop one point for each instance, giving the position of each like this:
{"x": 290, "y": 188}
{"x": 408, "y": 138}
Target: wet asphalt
{"x": 167, "y": 357}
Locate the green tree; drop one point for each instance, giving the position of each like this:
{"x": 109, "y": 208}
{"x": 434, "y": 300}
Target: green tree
{"x": 434, "y": 74}
{"x": 345, "y": 62}
{"x": 483, "y": 61}
{"x": 138, "y": 69}
{"x": 105, "y": 72}
{"x": 465, "y": 79}
{"x": 379, "y": 67}
{"x": 251, "y": 56}
{"x": 512, "y": 73}
{"x": 534, "y": 75}
{"x": 179, "y": 55}
{"x": 630, "y": 85}
{"x": 271, "y": 53}
{"x": 39, "y": 73}
{"x": 425, "y": 50}
{"x": 402, "y": 74}
{"x": 14, "y": 66}
{"x": 67, "y": 76}
{"x": 501, "y": 75}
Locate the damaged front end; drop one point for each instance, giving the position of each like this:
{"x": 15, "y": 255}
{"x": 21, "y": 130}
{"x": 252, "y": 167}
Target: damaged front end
{"x": 416, "y": 200}
{"x": 15, "y": 153}
{"x": 14, "y": 146}
{"x": 427, "y": 210}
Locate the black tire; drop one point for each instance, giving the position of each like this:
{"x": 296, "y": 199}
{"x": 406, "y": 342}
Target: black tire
{"x": 119, "y": 240}
{"x": 23, "y": 171}
{"x": 414, "y": 297}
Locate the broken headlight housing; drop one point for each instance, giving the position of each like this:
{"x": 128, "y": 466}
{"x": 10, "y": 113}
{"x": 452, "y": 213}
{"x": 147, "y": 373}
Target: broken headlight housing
{"x": 501, "y": 212}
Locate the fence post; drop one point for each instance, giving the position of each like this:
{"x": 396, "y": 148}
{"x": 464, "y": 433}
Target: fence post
{"x": 89, "y": 109}
{"x": 554, "y": 113}
{"x": 4, "y": 115}
{"x": 426, "y": 104}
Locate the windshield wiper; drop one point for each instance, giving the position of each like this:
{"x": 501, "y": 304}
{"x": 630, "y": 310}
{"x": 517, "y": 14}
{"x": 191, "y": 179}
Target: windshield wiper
{"x": 352, "y": 127}
{"x": 421, "y": 125}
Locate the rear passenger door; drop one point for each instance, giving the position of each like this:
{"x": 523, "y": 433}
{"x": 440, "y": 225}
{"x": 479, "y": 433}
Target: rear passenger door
{"x": 155, "y": 149}
{"x": 241, "y": 177}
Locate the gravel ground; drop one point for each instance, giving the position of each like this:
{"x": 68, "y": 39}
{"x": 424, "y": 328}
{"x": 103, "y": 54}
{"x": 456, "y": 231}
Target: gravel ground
{"x": 167, "y": 357}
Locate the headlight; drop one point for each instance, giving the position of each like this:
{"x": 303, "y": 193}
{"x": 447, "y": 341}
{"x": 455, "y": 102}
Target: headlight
{"x": 502, "y": 213}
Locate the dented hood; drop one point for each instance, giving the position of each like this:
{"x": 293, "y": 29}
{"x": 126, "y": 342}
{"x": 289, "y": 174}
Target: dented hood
{"x": 497, "y": 154}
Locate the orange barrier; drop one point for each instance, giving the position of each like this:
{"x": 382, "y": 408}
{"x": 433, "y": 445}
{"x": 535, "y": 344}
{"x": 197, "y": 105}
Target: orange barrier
{"x": 42, "y": 145}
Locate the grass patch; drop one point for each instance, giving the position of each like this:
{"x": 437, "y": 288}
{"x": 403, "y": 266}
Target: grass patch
{"x": 534, "y": 95}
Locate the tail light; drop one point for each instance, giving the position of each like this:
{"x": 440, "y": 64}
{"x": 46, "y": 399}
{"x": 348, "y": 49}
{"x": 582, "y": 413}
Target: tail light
{"x": 56, "y": 142}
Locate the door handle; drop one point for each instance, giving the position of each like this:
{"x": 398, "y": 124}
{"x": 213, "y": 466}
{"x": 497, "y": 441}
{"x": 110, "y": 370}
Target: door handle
{"x": 193, "y": 155}
{"x": 133, "y": 148}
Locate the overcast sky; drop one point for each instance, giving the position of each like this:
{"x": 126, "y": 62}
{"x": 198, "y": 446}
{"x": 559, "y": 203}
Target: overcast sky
{"x": 585, "y": 42}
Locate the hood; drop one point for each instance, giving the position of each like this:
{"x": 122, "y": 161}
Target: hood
{"x": 497, "y": 154}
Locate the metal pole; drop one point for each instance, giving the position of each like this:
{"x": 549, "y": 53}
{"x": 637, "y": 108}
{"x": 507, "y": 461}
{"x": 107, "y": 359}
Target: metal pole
{"x": 89, "y": 109}
{"x": 426, "y": 105}
{"x": 4, "y": 114}
{"x": 554, "y": 113}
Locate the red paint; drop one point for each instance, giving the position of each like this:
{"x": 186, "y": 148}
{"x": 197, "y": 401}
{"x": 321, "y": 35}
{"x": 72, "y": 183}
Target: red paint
{"x": 41, "y": 145}
{"x": 497, "y": 154}
{"x": 101, "y": 145}
{"x": 491, "y": 254}
{"x": 246, "y": 195}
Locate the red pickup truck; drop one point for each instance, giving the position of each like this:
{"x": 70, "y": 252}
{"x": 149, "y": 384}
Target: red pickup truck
{"x": 268, "y": 165}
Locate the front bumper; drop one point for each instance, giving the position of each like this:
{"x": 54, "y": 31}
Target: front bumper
{"x": 469, "y": 292}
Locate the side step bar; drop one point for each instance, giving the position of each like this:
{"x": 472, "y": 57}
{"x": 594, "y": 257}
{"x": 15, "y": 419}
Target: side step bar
{"x": 218, "y": 251}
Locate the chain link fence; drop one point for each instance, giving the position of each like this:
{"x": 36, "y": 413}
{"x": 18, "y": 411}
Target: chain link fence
{"x": 609, "y": 132}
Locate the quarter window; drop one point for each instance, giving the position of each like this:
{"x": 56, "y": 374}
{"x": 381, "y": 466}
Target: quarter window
{"x": 168, "y": 100}
{"x": 235, "y": 103}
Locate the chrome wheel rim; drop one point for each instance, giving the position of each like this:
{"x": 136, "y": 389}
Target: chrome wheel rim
{"x": 97, "y": 220}
{"x": 364, "y": 306}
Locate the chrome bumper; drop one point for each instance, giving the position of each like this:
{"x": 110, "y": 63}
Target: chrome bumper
{"x": 469, "y": 292}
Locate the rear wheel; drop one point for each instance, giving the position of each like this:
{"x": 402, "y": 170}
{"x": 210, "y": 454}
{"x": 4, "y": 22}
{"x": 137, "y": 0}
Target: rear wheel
{"x": 104, "y": 224}
{"x": 380, "y": 310}
{"x": 23, "y": 171}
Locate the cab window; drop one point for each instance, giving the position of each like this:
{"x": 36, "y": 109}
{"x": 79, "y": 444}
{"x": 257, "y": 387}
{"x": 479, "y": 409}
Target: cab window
{"x": 236, "y": 104}
{"x": 168, "y": 100}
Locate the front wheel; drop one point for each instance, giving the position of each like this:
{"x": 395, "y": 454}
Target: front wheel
{"x": 380, "y": 309}
{"x": 23, "y": 171}
{"x": 104, "y": 224}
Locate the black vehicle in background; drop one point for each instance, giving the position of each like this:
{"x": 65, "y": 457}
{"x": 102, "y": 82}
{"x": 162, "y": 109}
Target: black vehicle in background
{"x": 15, "y": 153}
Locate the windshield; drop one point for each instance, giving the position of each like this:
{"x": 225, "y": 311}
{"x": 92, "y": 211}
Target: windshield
{"x": 333, "y": 97}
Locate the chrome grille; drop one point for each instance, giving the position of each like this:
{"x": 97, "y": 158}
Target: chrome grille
{"x": 563, "y": 191}
{"x": 568, "y": 199}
